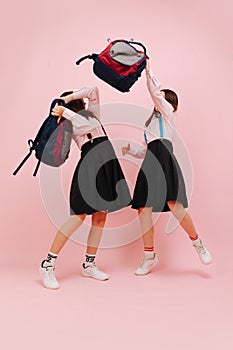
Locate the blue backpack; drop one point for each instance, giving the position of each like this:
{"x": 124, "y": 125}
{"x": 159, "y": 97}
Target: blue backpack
{"x": 52, "y": 142}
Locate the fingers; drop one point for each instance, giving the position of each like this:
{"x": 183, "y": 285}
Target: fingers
{"x": 56, "y": 111}
{"x": 125, "y": 149}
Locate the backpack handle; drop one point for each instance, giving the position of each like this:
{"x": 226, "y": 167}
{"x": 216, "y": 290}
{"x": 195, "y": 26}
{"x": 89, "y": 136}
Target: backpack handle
{"x": 131, "y": 42}
{"x": 140, "y": 44}
{"x": 91, "y": 57}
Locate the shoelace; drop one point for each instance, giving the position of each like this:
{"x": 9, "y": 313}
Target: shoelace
{"x": 201, "y": 249}
{"x": 51, "y": 273}
{"x": 145, "y": 262}
{"x": 95, "y": 268}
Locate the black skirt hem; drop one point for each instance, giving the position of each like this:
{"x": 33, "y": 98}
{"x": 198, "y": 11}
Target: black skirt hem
{"x": 98, "y": 183}
{"x": 160, "y": 179}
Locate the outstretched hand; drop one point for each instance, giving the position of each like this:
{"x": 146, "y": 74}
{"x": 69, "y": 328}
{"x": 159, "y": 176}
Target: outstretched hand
{"x": 125, "y": 149}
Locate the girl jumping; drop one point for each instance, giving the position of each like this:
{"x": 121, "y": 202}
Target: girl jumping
{"x": 160, "y": 185}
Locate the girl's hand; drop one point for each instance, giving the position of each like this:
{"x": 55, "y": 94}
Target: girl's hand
{"x": 57, "y": 111}
{"x": 147, "y": 65}
{"x": 125, "y": 149}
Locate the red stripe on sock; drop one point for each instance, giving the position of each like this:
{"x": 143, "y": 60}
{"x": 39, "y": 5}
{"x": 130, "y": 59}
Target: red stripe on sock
{"x": 194, "y": 239}
{"x": 149, "y": 249}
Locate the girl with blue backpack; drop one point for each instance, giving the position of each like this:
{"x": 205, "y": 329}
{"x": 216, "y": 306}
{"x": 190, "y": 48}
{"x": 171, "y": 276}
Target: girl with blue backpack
{"x": 160, "y": 185}
{"x": 93, "y": 189}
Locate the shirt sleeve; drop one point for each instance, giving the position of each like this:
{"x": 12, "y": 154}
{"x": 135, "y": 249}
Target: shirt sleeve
{"x": 164, "y": 107}
{"x": 79, "y": 123}
{"x": 137, "y": 151}
{"x": 92, "y": 93}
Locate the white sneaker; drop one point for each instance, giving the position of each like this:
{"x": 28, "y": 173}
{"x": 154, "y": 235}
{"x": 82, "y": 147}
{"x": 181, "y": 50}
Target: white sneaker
{"x": 146, "y": 266}
{"x": 93, "y": 271}
{"x": 203, "y": 253}
{"x": 48, "y": 275}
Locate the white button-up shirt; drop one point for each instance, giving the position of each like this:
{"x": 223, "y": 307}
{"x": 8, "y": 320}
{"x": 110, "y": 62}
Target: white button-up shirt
{"x": 82, "y": 125}
{"x": 152, "y": 131}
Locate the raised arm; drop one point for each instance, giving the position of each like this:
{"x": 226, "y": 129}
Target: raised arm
{"x": 92, "y": 93}
{"x": 154, "y": 86}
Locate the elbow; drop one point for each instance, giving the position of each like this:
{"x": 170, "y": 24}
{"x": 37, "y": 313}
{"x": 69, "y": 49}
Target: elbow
{"x": 94, "y": 93}
{"x": 95, "y": 89}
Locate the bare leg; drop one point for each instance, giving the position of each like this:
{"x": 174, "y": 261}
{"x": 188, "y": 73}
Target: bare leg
{"x": 93, "y": 240}
{"x": 183, "y": 217}
{"x": 74, "y": 222}
{"x": 150, "y": 258}
{"x": 94, "y": 237}
{"x": 145, "y": 215}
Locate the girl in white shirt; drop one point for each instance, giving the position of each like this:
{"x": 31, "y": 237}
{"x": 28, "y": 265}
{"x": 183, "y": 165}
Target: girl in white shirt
{"x": 160, "y": 185}
{"x": 98, "y": 184}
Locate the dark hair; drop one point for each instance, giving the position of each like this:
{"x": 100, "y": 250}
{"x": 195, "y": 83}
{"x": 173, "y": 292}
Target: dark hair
{"x": 75, "y": 105}
{"x": 78, "y": 106}
{"x": 171, "y": 97}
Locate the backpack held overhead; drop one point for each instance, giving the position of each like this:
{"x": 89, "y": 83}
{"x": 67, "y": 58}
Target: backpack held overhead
{"x": 120, "y": 64}
{"x": 52, "y": 142}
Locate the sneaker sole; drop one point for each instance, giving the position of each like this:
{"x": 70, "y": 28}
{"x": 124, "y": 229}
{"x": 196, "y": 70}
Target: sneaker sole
{"x": 206, "y": 263}
{"x": 98, "y": 279}
{"x": 144, "y": 274}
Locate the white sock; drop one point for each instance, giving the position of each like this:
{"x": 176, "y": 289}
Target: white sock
{"x": 149, "y": 255}
{"x": 197, "y": 241}
{"x": 50, "y": 260}
{"x": 90, "y": 259}
{"x": 52, "y": 255}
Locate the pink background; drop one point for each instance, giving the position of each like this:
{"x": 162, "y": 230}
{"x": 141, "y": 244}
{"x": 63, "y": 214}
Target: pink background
{"x": 182, "y": 304}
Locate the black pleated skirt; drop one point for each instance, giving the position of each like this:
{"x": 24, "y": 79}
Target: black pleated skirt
{"x": 159, "y": 179}
{"x": 98, "y": 182}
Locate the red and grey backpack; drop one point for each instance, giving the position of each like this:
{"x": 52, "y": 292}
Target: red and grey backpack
{"x": 120, "y": 64}
{"x": 52, "y": 142}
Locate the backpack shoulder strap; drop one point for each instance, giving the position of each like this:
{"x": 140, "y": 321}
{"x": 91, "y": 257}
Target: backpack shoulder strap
{"x": 37, "y": 167}
{"x": 31, "y": 144}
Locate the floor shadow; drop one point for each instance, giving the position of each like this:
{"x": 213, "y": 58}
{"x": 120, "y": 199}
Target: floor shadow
{"x": 178, "y": 272}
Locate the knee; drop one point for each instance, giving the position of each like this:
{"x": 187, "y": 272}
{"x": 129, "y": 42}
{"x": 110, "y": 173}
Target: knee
{"x": 144, "y": 213}
{"x": 177, "y": 209}
{"x": 98, "y": 219}
{"x": 75, "y": 219}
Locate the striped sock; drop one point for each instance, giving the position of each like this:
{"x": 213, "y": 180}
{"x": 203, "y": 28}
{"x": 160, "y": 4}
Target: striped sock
{"x": 149, "y": 252}
{"x": 194, "y": 238}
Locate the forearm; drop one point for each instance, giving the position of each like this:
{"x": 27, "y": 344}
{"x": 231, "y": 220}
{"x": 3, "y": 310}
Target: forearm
{"x": 91, "y": 93}
{"x": 137, "y": 152}
{"x": 154, "y": 88}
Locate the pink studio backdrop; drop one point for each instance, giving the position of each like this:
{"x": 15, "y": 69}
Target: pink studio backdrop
{"x": 190, "y": 47}
{"x": 190, "y": 53}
